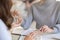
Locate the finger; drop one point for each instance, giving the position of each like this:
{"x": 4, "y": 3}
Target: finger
{"x": 19, "y": 21}
{"x": 45, "y": 30}
{"x": 33, "y": 34}
{"x": 41, "y": 28}
{"x": 44, "y": 27}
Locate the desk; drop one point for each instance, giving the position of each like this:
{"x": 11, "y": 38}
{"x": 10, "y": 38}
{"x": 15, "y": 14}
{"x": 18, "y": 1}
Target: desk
{"x": 51, "y": 36}
{"x": 16, "y": 33}
{"x": 43, "y": 37}
{"x": 21, "y": 33}
{"x": 16, "y": 36}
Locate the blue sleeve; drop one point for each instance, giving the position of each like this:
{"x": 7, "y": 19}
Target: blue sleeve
{"x": 4, "y": 33}
{"x": 27, "y": 22}
{"x": 57, "y": 26}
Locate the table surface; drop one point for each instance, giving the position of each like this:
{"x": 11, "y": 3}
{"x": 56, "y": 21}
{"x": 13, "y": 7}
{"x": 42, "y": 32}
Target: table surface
{"x": 44, "y": 37}
{"x": 21, "y": 32}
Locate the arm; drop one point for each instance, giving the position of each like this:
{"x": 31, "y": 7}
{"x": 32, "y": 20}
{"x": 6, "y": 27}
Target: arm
{"x": 57, "y": 26}
{"x": 27, "y": 22}
{"x": 4, "y": 33}
{"x": 54, "y": 29}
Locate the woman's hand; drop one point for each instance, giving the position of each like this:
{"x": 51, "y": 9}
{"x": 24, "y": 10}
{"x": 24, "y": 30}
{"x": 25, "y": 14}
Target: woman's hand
{"x": 29, "y": 37}
{"x": 32, "y": 35}
{"x": 45, "y": 28}
{"x": 17, "y": 23}
{"x": 17, "y": 19}
{"x": 14, "y": 13}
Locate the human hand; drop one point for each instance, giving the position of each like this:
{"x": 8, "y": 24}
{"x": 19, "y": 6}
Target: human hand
{"x": 14, "y": 13}
{"x": 45, "y": 28}
{"x": 17, "y": 19}
{"x": 32, "y": 35}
